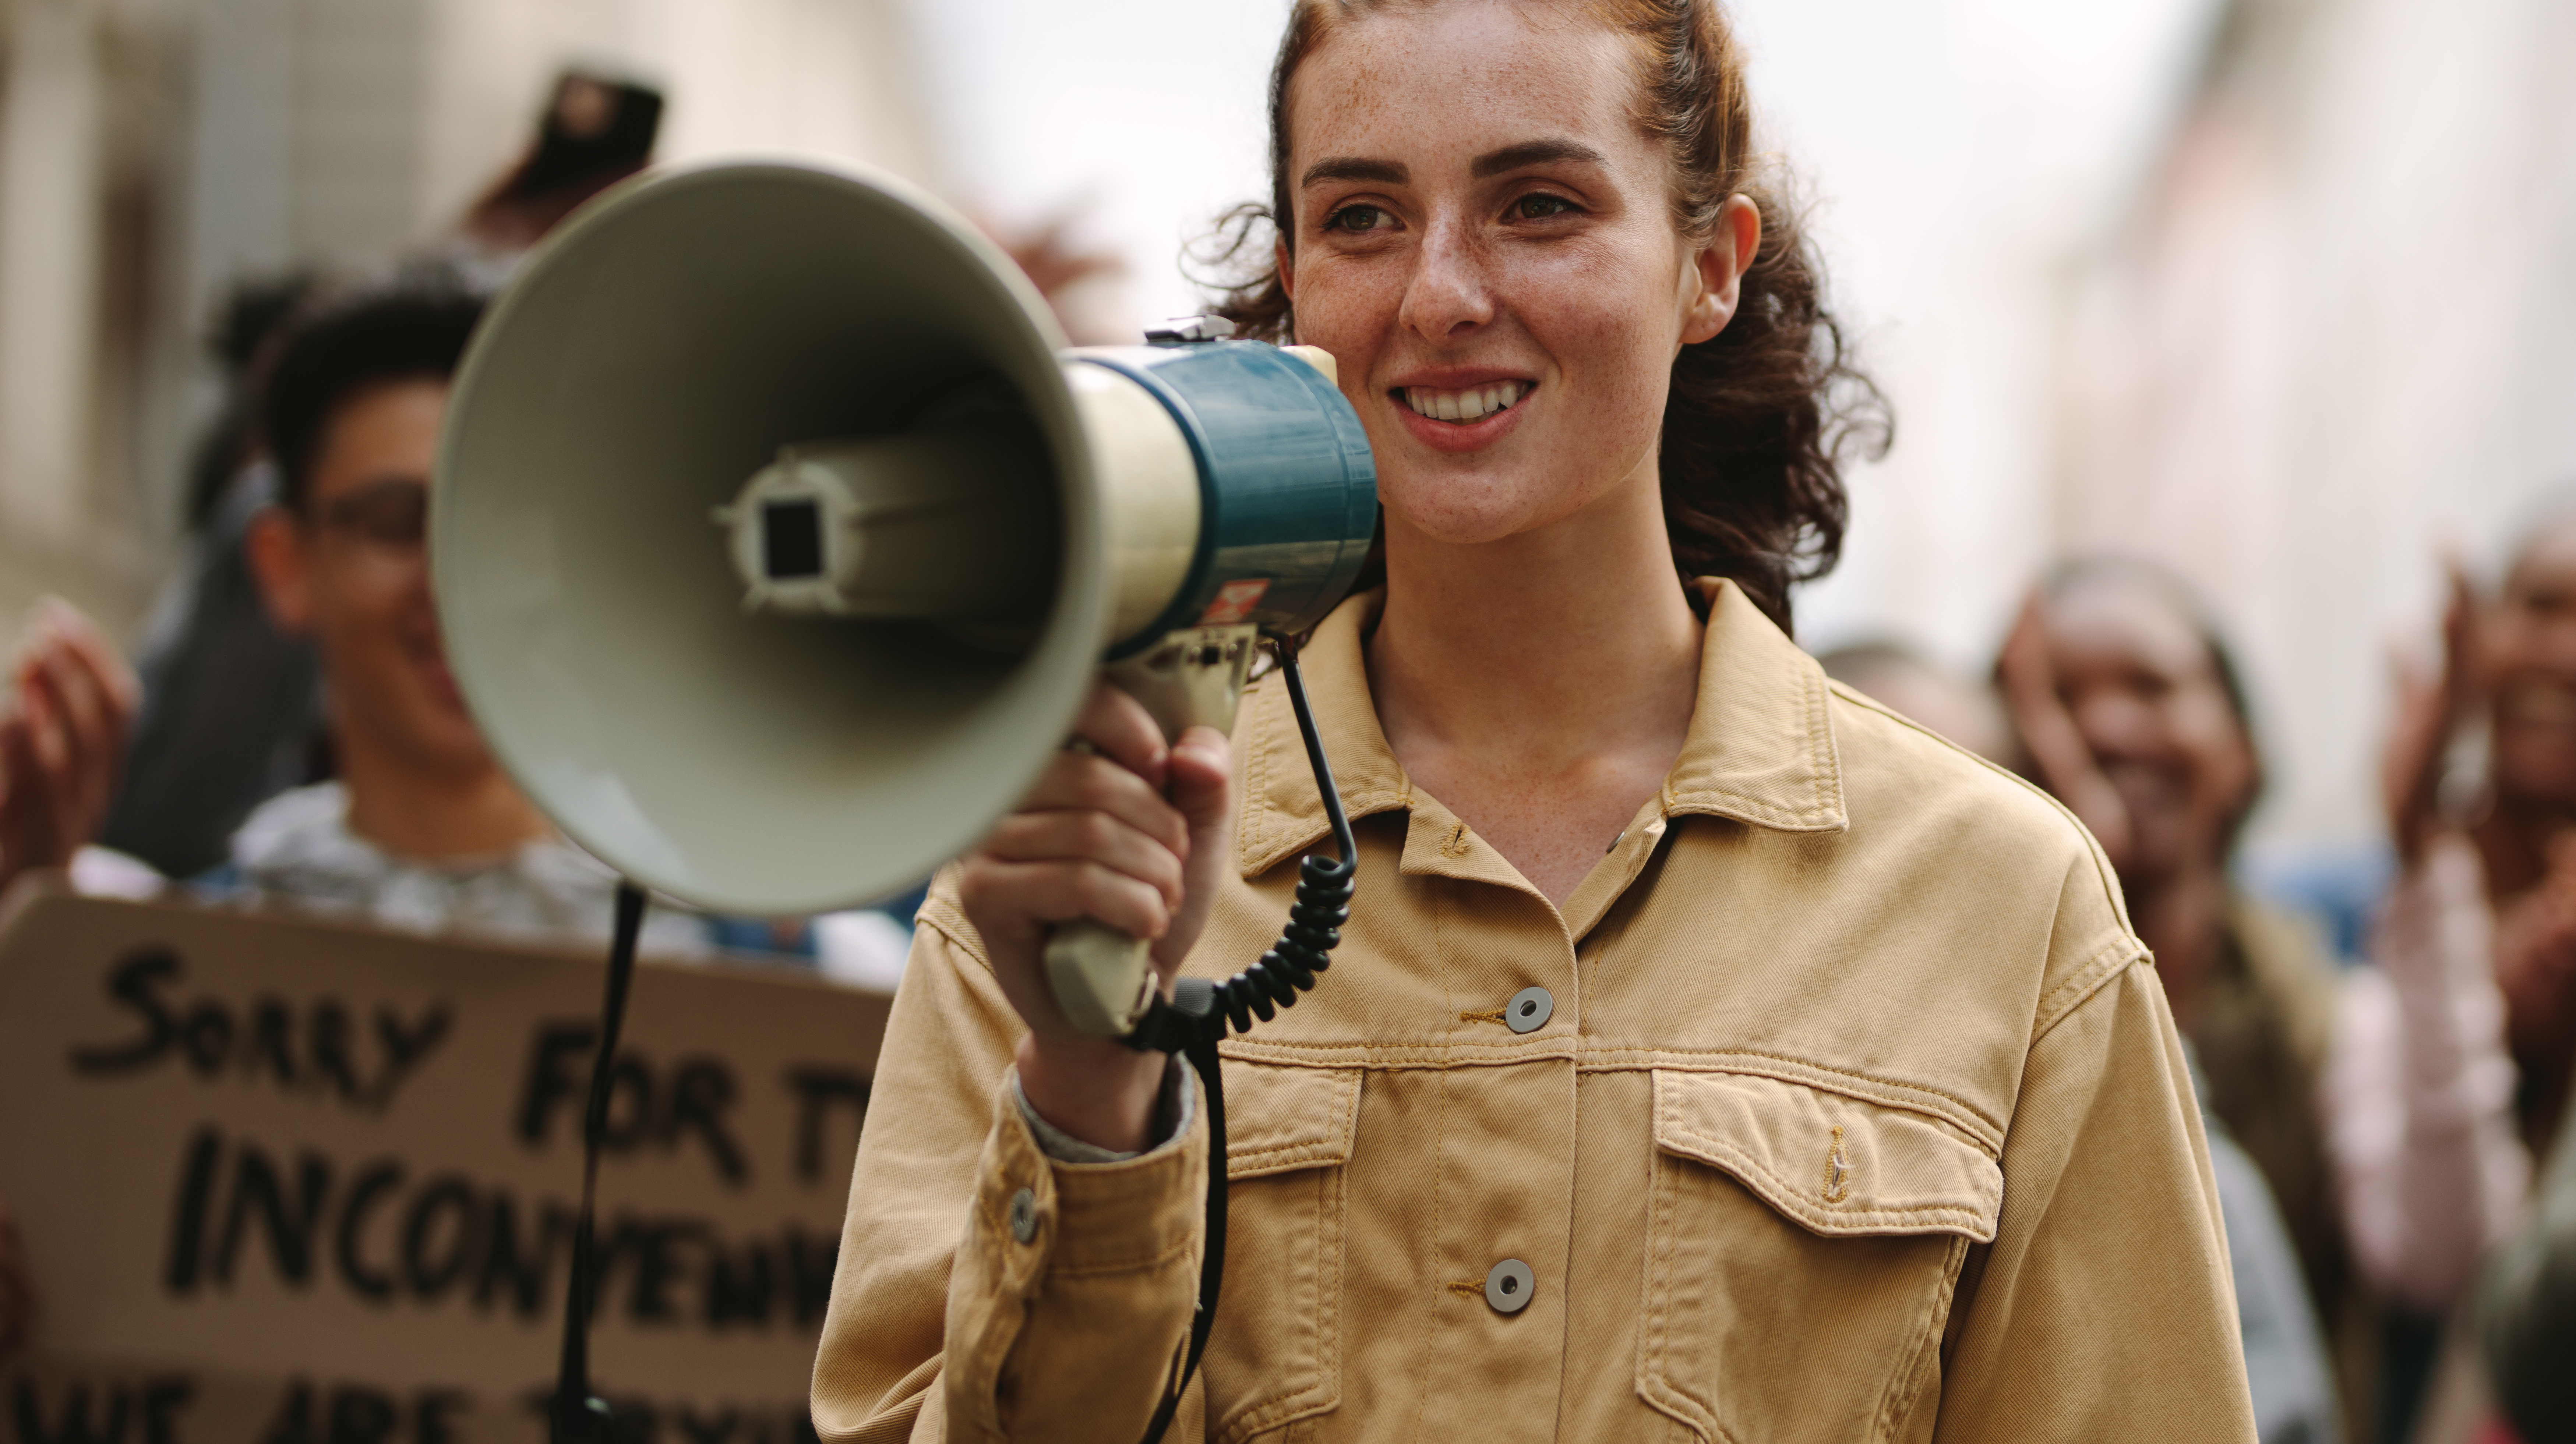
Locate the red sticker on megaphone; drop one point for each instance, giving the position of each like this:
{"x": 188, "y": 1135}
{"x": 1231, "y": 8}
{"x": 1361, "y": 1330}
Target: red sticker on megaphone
{"x": 1234, "y": 602}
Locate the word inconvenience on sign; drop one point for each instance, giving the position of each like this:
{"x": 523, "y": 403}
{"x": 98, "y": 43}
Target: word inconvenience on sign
{"x": 287, "y": 1182}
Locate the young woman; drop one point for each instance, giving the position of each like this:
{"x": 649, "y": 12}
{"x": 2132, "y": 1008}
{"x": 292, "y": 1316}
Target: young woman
{"x": 1710, "y": 1053}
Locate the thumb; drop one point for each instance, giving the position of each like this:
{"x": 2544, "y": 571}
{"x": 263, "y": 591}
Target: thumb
{"x": 1201, "y": 785}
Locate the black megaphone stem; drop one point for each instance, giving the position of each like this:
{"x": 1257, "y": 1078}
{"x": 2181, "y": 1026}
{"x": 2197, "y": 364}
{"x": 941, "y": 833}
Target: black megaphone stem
{"x": 577, "y": 1417}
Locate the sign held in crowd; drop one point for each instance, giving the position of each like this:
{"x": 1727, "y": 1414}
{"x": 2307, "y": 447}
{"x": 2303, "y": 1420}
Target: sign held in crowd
{"x": 287, "y": 1182}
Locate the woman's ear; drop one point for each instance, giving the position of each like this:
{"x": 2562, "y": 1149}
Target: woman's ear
{"x": 274, "y": 545}
{"x": 1287, "y": 269}
{"x": 1715, "y": 284}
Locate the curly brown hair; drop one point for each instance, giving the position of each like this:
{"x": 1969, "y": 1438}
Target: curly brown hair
{"x": 1760, "y": 418}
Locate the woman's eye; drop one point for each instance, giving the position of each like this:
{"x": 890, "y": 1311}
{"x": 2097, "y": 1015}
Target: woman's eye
{"x": 1540, "y": 207}
{"x": 1356, "y": 219}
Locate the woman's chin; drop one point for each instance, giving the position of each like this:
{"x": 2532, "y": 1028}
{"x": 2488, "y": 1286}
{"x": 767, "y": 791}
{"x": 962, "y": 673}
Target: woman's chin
{"x": 1473, "y": 510}
{"x": 1464, "y": 526}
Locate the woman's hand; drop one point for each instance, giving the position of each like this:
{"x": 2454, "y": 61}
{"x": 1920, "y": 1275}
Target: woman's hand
{"x": 1133, "y": 834}
{"x": 2535, "y": 963}
{"x": 62, "y": 740}
{"x": 2065, "y": 761}
{"x": 2430, "y": 709}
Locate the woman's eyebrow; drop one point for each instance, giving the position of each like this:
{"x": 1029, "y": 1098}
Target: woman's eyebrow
{"x": 1530, "y": 153}
{"x": 1355, "y": 168}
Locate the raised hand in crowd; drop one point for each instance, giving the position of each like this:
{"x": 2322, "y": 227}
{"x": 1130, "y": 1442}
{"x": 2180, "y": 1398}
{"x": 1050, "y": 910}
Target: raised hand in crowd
{"x": 2535, "y": 967}
{"x": 2524, "y": 822}
{"x": 62, "y": 739}
{"x": 2431, "y": 707}
{"x": 2066, "y": 764}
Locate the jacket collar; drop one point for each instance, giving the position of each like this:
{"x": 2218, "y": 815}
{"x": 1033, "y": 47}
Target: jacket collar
{"x": 1760, "y": 749}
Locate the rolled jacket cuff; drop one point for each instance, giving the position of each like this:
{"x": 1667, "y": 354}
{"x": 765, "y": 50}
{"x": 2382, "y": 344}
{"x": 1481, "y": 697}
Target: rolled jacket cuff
{"x": 1066, "y": 1267}
{"x": 1172, "y": 1114}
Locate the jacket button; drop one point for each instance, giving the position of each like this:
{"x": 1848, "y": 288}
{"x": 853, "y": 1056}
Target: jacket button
{"x": 1024, "y": 1215}
{"x": 1509, "y": 1286}
{"x": 1528, "y": 1011}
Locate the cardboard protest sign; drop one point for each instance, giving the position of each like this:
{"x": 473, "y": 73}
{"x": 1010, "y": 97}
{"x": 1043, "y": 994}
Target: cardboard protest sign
{"x": 287, "y": 1182}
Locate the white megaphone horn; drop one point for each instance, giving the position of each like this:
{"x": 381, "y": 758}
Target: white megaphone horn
{"x": 777, "y": 538}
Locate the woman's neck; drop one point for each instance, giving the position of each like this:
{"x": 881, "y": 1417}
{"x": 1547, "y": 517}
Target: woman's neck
{"x": 1540, "y": 686}
{"x": 433, "y": 815}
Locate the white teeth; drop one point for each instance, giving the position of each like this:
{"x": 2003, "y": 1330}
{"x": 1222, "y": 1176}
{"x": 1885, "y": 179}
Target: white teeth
{"x": 1467, "y": 405}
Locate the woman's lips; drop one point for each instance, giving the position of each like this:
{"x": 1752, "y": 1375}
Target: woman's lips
{"x": 1461, "y": 435}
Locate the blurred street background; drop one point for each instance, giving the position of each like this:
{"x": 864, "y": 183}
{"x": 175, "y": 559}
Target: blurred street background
{"x": 2274, "y": 291}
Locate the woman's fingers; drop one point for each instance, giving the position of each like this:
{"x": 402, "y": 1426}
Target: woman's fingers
{"x": 1026, "y": 897}
{"x": 99, "y": 658}
{"x": 1092, "y": 837}
{"x": 77, "y": 699}
{"x": 1085, "y": 782}
{"x": 1119, "y": 728}
{"x": 90, "y": 734}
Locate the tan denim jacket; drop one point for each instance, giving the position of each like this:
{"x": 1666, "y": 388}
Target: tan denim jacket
{"x": 1854, "y": 1114}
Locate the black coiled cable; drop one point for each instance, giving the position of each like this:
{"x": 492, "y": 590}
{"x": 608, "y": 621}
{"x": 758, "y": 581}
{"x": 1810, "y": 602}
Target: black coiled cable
{"x": 1204, "y": 1011}
{"x": 1200, "y": 1013}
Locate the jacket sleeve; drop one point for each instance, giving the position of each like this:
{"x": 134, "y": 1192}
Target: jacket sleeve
{"x": 2104, "y": 1309}
{"x": 945, "y": 1324}
{"x": 2526, "y": 1309}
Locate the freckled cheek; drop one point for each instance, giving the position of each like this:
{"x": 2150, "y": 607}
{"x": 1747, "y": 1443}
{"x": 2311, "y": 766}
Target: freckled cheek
{"x": 1616, "y": 365}
{"x": 1347, "y": 309}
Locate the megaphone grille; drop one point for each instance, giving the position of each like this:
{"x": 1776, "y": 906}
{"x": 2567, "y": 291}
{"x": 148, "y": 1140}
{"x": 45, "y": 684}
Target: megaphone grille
{"x": 658, "y": 351}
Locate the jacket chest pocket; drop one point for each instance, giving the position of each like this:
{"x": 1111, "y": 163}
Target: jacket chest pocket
{"x": 1275, "y": 1354}
{"x": 1802, "y": 1249}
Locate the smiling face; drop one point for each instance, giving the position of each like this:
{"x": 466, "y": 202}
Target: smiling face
{"x": 2144, "y": 691}
{"x": 351, "y": 573}
{"x": 2529, "y": 642}
{"x": 1483, "y": 238}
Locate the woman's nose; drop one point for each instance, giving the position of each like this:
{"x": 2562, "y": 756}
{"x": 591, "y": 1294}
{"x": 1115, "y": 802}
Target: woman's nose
{"x": 1450, "y": 292}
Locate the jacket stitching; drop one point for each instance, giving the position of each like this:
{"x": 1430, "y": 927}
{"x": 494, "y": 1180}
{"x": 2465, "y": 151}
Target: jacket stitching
{"x": 1439, "y": 1164}
{"x": 1908, "y": 1096}
{"x": 1904, "y": 1383}
{"x": 1912, "y": 1097}
{"x": 1142, "y": 1263}
{"x": 1266, "y": 1162}
{"x": 945, "y": 919}
{"x": 2110, "y": 962}
{"x": 1655, "y": 1383}
{"x": 1732, "y": 1159}
{"x": 1312, "y": 1396}
{"x": 2103, "y": 874}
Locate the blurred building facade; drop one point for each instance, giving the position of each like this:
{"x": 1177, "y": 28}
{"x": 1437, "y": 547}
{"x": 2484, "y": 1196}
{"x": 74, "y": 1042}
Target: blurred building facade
{"x": 2267, "y": 289}
{"x": 2332, "y": 335}
{"x": 155, "y": 152}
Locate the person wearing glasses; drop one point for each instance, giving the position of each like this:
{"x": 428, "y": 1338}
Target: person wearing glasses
{"x": 420, "y": 828}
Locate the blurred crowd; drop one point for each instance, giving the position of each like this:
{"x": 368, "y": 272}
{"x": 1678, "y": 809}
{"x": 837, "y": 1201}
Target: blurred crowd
{"x": 2391, "y": 1132}
{"x": 2373, "y": 1122}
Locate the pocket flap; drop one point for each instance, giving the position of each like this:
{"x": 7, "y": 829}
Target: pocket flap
{"x": 1279, "y": 1118}
{"x": 1836, "y": 1164}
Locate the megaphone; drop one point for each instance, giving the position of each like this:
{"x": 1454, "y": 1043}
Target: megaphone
{"x": 777, "y": 537}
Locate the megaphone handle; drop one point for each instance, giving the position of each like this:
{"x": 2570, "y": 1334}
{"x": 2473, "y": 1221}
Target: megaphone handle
{"x": 1102, "y": 978}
